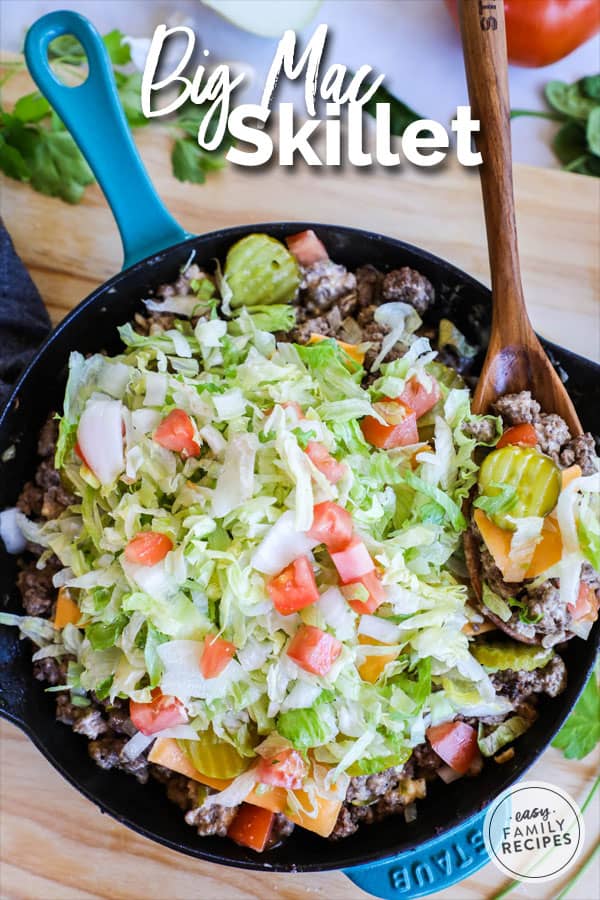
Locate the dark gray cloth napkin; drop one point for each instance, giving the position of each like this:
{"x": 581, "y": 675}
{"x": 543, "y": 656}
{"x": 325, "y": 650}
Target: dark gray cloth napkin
{"x": 24, "y": 322}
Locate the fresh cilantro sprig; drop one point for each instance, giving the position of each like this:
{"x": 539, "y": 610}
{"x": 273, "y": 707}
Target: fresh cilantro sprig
{"x": 581, "y": 732}
{"x": 577, "y": 107}
{"x": 36, "y": 148}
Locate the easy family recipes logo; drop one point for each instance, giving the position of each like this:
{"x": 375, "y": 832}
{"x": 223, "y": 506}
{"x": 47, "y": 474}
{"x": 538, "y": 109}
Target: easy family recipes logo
{"x": 534, "y": 831}
{"x": 336, "y": 137}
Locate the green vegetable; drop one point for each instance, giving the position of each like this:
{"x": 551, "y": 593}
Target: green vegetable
{"x": 581, "y": 732}
{"x": 214, "y": 757}
{"x": 495, "y": 603}
{"x": 450, "y": 508}
{"x": 260, "y": 270}
{"x": 577, "y": 107}
{"x": 379, "y": 763}
{"x": 534, "y": 477}
{"x": 36, "y": 148}
{"x": 401, "y": 115}
{"x": 308, "y": 727}
{"x": 503, "y": 501}
{"x": 504, "y": 734}
{"x": 103, "y": 635}
{"x": 499, "y": 655}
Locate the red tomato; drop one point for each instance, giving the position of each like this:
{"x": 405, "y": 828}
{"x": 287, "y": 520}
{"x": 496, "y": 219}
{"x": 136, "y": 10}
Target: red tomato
{"x": 288, "y": 404}
{"x": 586, "y": 606}
{"x": 306, "y": 247}
{"x": 324, "y": 462}
{"x": 331, "y": 526}
{"x": 373, "y": 585}
{"x": 353, "y": 561}
{"x": 418, "y": 398}
{"x": 162, "y": 712}
{"x": 176, "y": 432}
{"x": 294, "y": 588}
{"x": 285, "y": 769}
{"x": 314, "y": 650}
{"x": 519, "y": 434}
{"x": 542, "y": 32}
{"x": 251, "y": 827}
{"x": 148, "y": 548}
{"x": 400, "y": 430}
{"x": 216, "y": 656}
{"x": 456, "y": 743}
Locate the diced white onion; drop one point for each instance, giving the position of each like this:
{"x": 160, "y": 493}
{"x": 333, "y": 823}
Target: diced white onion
{"x": 152, "y": 580}
{"x": 100, "y": 437}
{"x": 182, "y": 677}
{"x": 213, "y": 438}
{"x": 237, "y": 791}
{"x": 378, "y": 629}
{"x": 235, "y": 483}
{"x": 11, "y": 534}
{"x": 137, "y": 744}
{"x": 229, "y": 405}
{"x": 281, "y": 545}
{"x": 336, "y": 613}
{"x": 302, "y": 695}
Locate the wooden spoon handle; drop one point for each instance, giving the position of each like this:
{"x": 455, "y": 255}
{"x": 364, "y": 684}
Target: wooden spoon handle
{"x": 484, "y": 49}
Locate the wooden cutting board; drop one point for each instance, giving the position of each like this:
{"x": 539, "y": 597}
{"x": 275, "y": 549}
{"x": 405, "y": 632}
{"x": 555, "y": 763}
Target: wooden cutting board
{"x": 53, "y": 843}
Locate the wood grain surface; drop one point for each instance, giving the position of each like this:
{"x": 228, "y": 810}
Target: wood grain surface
{"x": 54, "y": 845}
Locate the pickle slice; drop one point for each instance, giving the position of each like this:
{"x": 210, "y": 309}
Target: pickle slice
{"x": 214, "y": 757}
{"x": 260, "y": 270}
{"x": 535, "y": 479}
{"x": 519, "y": 657}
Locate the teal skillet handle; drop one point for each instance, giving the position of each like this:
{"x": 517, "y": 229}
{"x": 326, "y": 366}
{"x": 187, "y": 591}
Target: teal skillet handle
{"x": 432, "y": 867}
{"x": 93, "y": 114}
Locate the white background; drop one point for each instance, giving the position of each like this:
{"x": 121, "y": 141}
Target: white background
{"x": 412, "y": 41}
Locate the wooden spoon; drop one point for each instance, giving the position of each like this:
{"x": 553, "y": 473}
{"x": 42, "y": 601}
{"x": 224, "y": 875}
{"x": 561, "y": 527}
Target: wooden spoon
{"x": 515, "y": 359}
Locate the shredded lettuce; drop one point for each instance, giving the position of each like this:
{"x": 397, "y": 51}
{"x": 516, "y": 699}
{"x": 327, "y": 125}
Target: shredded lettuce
{"x": 503, "y": 734}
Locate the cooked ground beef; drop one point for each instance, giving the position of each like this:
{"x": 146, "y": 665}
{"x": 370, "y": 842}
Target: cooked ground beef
{"x": 393, "y": 800}
{"x": 106, "y": 753}
{"x": 554, "y": 437}
{"x": 519, "y": 686}
{"x": 580, "y": 450}
{"x": 517, "y": 408}
{"x": 50, "y": 669}
{"x": 368, "y": 286}
{"x": 280, "y": 830}
{"x": 408, "y": 286}
{"x": 37, "y": 591}
{"x": 324, "y": 284}
{"x": 211, "y": 819}
{"x": 483, "y": 431}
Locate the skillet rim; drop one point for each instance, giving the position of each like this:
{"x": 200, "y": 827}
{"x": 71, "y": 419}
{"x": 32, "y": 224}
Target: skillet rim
{"x": 441, "y": 266}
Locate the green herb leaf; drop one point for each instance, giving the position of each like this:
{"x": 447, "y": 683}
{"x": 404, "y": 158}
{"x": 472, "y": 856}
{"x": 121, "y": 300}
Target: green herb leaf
{"x": 31, "y": 108}
{"x": 129, "y": 89}
{"x": 118, "y": 50}
{"x": 57, "y": 167}
{"x": 581, "y": 732}
{"x": 569, "y": 99}
{"x": 590, "y": 86}
{"x": 592, "y": 131}
{"x": 12, "y": 162}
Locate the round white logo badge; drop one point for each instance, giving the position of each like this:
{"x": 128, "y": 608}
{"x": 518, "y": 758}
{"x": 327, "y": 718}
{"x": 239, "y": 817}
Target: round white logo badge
{"x": 533, "y": 831}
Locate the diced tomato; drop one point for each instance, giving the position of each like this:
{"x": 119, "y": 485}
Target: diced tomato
{"x": 288, "y": 404}
{"x": 586, "y": 606}
{"x": 294, "y": 588}
{"x": 353, "y": 561}
{"x": 216, "y": 656}
{"x": 331, "y": 526}
{"x": 324, "y": 462}
{"x": 176, "y": 432}
{"x": 376, "y": 593}
{"x": 148, "y": 548}
{"x": 519, "y": 434}
{"x": 162, "y": 712}
{"x": 251, "y": 827}
{"x": 285, "y": 769}
{"x": 306, "y": 247}
{"x": 455, "y": 743}
{"x": 418, "y": 398}
{"x": 314, "y": 650}
{"x": 400, "y": 430}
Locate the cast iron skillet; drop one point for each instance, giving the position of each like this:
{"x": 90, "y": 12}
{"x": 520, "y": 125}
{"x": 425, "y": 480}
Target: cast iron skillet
{"x": 92, "y": 327}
